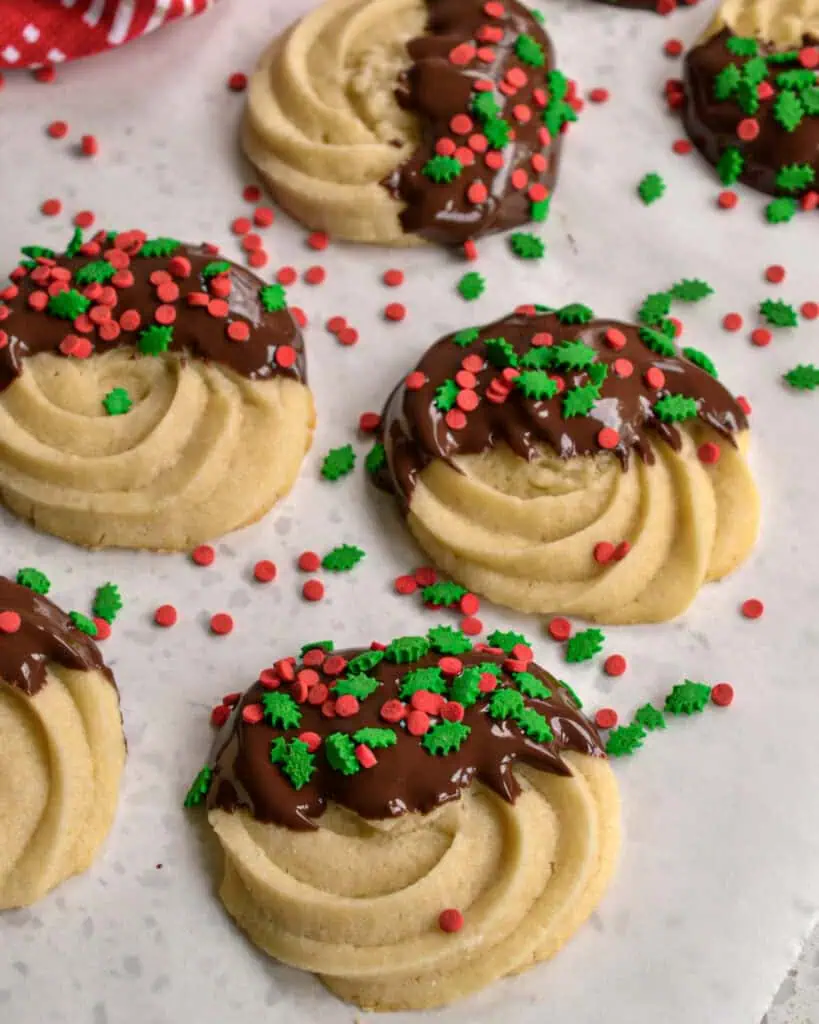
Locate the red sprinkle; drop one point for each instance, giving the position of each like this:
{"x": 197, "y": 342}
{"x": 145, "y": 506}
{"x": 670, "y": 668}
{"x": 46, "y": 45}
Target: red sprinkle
{"x": 51, "y": 207}
{"x": 469, "y": 604}
{"x": 722, "y": 694}
{"x": 425, "y": 576}
{"x": 614, "y": 665}
{"x": 312, "y": 739}
{"x": 418, "y": 723}
{"x": 477, "y": 192}
{"x": 347, "y": 336}
{"x": 615, "y": 338}
{"x": 251, "y": 193}
{"x": 471, "y": 626}
{"x": 681, "y": 147}
{"x": 347, "y": 706}
{"x": 237, "y": 82}
{"x": 285, "y": 356}
{"x": 621, "y": 550}
{"x": 286, "y": 275}
{"x": 744, "y": 404}
{"x": 239, "y": 330}
{"x": 219, "y": 715}
{"x": 166, "y": 615}
{"x": 732, "y": 321}
{"x": 708, "y": 453}
{"x": 364, "y": 755}
{"x": 263, "y": 216}
{"x": 673, "y": 47}
{"x": 809, "y": 57}
{"x": 103, "y": 629}
{"x": 452, "y": 920}
{"x": 775, "y": 273}
{"x": 315, "y": 275}
{"x": 605, "y": 718}
{"x": 470, "y": 250}
{"x": 252, "y": 713}
{"x": 752, "y": 608}
{"x": 809, "y": 310}
{"x": 57, "y": 129}
{"x": 309, "y": 561}
{"x": 89, "y": 145}
{"x": 313, "y": 590}
{"x": 258, "y": 258}
{"x": 761, "y": 336}
{"x": 748, "y": 129}
{"x": 392, "y": 711}
{"x": 623, "y": 367}
{"x": 599, "y": 95}
{"x": 395, "y": 311}
{"x": 393, "y": 277}
{"x": 455, "y": 419}
{"x": 727, "y": 199}
{"x": 603, "y": 552}
{"x": 203, "y": 555}
{"x": 318, "y": 240}
{"x": 560, "y": 628}
{"x": 10, "y": 622}
{"x": 264, "y": 571}
{"x": 73, "y": 345}
{"x": 654, "y": 377}
{"x": 405, "y": 584}
{"x": 450, "y": 666}
{"x": 425, "y": 700}
{"x": 221, "y": 623}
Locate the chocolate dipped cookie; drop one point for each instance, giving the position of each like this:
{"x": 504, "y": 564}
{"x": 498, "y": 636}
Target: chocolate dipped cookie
{"x": 412, "y": 820}
{"x": 404, "y": 121}
{"x": 152, "y": 394}
{"x": 559, "y": 463}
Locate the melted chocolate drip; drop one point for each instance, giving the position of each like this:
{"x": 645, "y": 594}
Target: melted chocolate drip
{"x": 46, "y": 634}
{"x": 195, "y": 331}
{"x": 437, "y": 90}
{"x": 406, "y": 777}
{"x": 415, "y": 431}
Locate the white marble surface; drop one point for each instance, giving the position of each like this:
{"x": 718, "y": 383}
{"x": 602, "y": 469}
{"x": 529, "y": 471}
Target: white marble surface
{"x": 719, "y": 879}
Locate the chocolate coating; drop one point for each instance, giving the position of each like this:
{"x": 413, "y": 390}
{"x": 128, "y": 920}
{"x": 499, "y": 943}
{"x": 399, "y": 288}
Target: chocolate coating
{"x": 196, "y": 332}
{"x": 415, "y": 431}
{"x": 46, "y": 634}
{"x": 436, "y": 90}
{"x": 406, "y": 777}
{"x": 712, "y": 123}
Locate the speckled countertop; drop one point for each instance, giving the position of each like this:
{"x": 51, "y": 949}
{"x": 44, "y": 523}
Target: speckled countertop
{"x": 719, "y": 880}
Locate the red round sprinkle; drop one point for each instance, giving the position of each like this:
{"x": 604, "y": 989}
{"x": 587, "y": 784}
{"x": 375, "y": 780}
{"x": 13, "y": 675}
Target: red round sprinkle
{"x": 654, "y": 377}
{"x": 708, "y": 453}
{"x": 478, "y": 143}
{"x": 764, "y": 90}
{"x": 560, "y": 628}
{"x": 221, "y": 623}
{"x": 605, "y": 718}
{"x": 455, "y": 419}
{"x": 752, "y": 608}
{"x": 312, "y": 739}
{"x": 129, "y": 320}
{"x": 722, "y": 694}
{"x": 519, "y": 178}
{"x": 415, "y": 380}
{"x": 623, "y": 367}
{"x": 775, "y": 273}
{"x": 418, "y": 723}
{"x": 488, "y": 682}
{"x": 165, "y": 615}
{"x": 89, "y": 146}
{"x": 614, "y": 665}
{"x": 263, "y": 216}
{"x": 393, "y": 277}
{"x": 445, "y": 146}
{"x": 252, "y": 713}
{"x": 298, "y": 315}
{"x": 251, "y": 193}
{"x": 347, "y": 706}
{"x": 809, "y": 57}
{"x": 309, "y": 561}
{"x": 203, "y": 555}
{"x": 467, "y": 400}
{"x": 469, "y": 604}
{"x": 395, "y": 311}
{"x": 681, "y": 147}
{"x": 603, "y": 552}
{"x": 269, "y": 679}
{"x": 264, "y": 571}
{"x": 809, "y": 310}
{"x": 810, "y": 200}
{"x": 732, "y": 321}
{"x": 314, "y": 657}
{"x": 318, "y": 240}
{"x": 219, "y": 715}
{"x": 57, "y": 129}
{"x": 461, "y": 124}
{"x": 122, "y": 279}
{"x": 744, "y": 404}
{"x": 424, "y": 700}
{"x": 621, "y": 550}
{"x": 9, "y": 622}
{"x": 392, "y": 711}
{"x": 285, "y": 356}
{"x": 405, "y": 585}
{"x": 493, "y": 159}
{"x": 727, "y": 199}
{"x": 217, "y": 308}
{"x": 237, "y": 82}
{"x": 286, "y": 275}
{"x": 336, "y": 324}
{"x": 328, "y": 709}
{"x": 285, "y": 669}
{"x": 347, "y": 336}
{"x": 79, "y": 348}
{"x": 163, "y": 314}
{"x": 335, "y": 665}
{"x": 471, "y": 626}
{"x": 238, "y": 331}
{"x": 240, "y": 226}
{"x": 599, "y": 95}
{"x": 313, "y": 590}
{"x": 477, "y": 192}
{"x": 368, "y": 422}
{"x": 51, "y": 207}
{"x": 450, "y": 666}
{"x": 615, "y": 338}
{"x": 315, "y": 275}
{"x": 673, "y": 47}
{"x": 748, "y": 129}
{"x": 365, "y": 757}
{"x": 425, "y": 576}
{"x": 465, "y": 156}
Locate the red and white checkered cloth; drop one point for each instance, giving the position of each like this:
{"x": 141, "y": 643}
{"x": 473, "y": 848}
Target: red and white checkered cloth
{"x": 34, "y": 33}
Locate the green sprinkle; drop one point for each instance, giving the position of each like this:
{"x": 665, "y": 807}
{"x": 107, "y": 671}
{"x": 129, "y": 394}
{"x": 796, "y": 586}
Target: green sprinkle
{"x": 526, "y": 246}
{"x": 107, "y": 602}
{"x": 199, "y": 788}
{"x": 655, "y": 308}
{"x": 506, "y": 641}
{"x": 273, "y": 297}
{"x": 497, "y": 133}
{"x": 804, "y": 377}
{"x": 491, "y": 668}
{"x": 651, "y": 187}
{"x": 747, "y": 97}
{"x": 585, "y": 645}
{"x": 430, "y": 678}
{"x": 531, "y": 686}
{"x": 278, "y": 750}
{"x": 675, "y": 408}
{"x": 691, "y": 290}
{"x": 34, "y": 580}
{"x": 810, "y": 101}
{"x": 742, "y": 46}
{"x": 726, "y": 82}
{"x": 68, "y": 305}
{"x": 536, "y": 385}
{"x": 700, "y": 359}
{"x": 505, "y": 703}
{"x": 501, "y": 353}
{"x": 730, "y": 166}
{"x": 539, "y": 16}
{"x": 317, "y": 645}
{"x": 778, "y": 313}
{"x": 597, "y": 373}
{"x": 340, "y": 752}
{"x": 155, "y": 340}
{"x": 75, "y": 243}
{"x": 404, "y": 649}
{"x": 364, "y": 662}
{"x": 529, "y": 51}
{"x": 338, "y": 462}
{"x": 556, "y": 114}
{"x": 798, "y": 78}
{"x": 96, "y": 271}
{"x": 343, "y": 558}
{"x": 443, "y": 594}
{"x": 558, "y": 84}
{"x": 573, "y": 355}
{"x": 537, "y": 358}
{"x": 83, "y": 623}
{"x": 795, "y": 177}
{"x": 216, "y": 267}
{"x": 485, "y": 105}
{"x": 649, "y": 718}
{"x": 535, "y": 725}
{"x": 687, "y": 698}
{"x": 376, "y": 738}
{"x": 625, "y": 740}
{"x": 468, "y": 335}
{"x": 442, "y": 169}
{"x": 298, "y": 764}
{"x": 574, "y": 313}
{"x": 781, "y": 210}
{"x": 281, "y": 710}
{"x": 783, "y": 57}
{"x": 539, "y": 209}
{"x": 788, "y": 110}
{"x": 117, "y": 402}
{"x": 580, "y": 401}
{"x": 446, "y": 395}
{"x": 376, "y": 458}
{"x": 36, "y": 251}
{"x": 466, "y": 687}
{"x": 445, "y": 738}
{"x": 358, "y": 685}
{"x": 471, "y": 286}
{"x": 159, "y": 248}
{"x": 446, "y": 640}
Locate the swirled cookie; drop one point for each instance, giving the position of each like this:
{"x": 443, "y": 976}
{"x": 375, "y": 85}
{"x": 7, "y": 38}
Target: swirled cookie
{"x": 752, "y": 98}
{"x": 61, "y": 747}
{"x": 414, "y": 820}
{"x": 152, "y": 395}
{"x": 557, "y": 463}
{"x": 399, "y": 121}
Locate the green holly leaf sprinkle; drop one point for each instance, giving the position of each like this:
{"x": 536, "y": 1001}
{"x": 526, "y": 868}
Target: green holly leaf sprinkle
{"x": 339, "y": 749}
{"x": 95, "y": 271}
{"x": 491, "y": 668}
{"x": 216, "y": 267}
{"x": 781, "y": 210}
{"x": 558, "y": 84}
{"x": 536, "y": 385}
{"x": 447, "y": 640}
{"x": 443, "y": 594}
{"x": 539, "y": 209}
{"x": 445, "y": 738}
{"x": 527, "y": 246}
{"x": 747, "y": 98}
{"x": 656, "y": 341}
{"x": 107, "y": 602}
{"x": 574, "y": 313}
{"x": 726, "y": 82}
{"x": 691, "y": 290}
{"x": 36, "y": 251}
{"x": 485, "y": 105}
{"x": 497, "y": 133}
{"x": 430, "y": 678}
{"x": 783, "y": 57}
{"x": 342, "y": 558}
{"x": 34, "y": 580}
{"x": 376, "y": 738}
{"x": 742, "y": 46}
{"x": 338, "y": 462}
{"x": 529, "y": 51}
{"x": 159, "y": 248}
{"x": 298, "y": 764}
{"x": 804, "y": 377}
{"x": 730, "y": 166}
{"x": 273, "y": 297}
{"x": 317, "y": 645}
{"x": 585, "y": 645}
{"x": 531, "y": 686}
{"x": 538, "y": 358}
{"x": 649, "y": 718}
{"x": 556, "y": 114}
{"x": 278, "y": 750}
{"x": 364, "y": 662}
{"x": 675, "y": 408}
{"x": 468, "y": 335}
{"x": 442, "y": 169}
{"x": 810, "y": 101}
{"x": 625, "y": 740}
{"x": 75, "y": 243}
{"x": 200, "y": 788}
{"x": 506, "y": 641}
{"x": 68, "y": 305}
{"x": 795, "y": 177}
{"x": 573, "y": 355}
{"x": 466, "y": 687}
{"x": 446, "y": 395}
{"x": 534, "y": 725}
{"x": 655, "y": 308}
{"x": 500, "y": 353}
{"x": 505, "y": 703}
{"x": 650, "y": 188}
{"x": 471, "y": 286}
{"x": 700, "y": 359}
{"x": 788, "y": 110}
{"x": 280, "y": 710}
{"x": 358, "y": 685}
{"x": 83, "y": 623}
{"x": 580, "y": 401}
{"x": 155, "y": 340}
{"x": 376, "y": 458}
{"x": 798, "y": 78}
{"x": 404, "y": 649}
{"x": 687, "y": 698}
{"x": 778, "y": 313}
{"x": 117, "y": 402}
